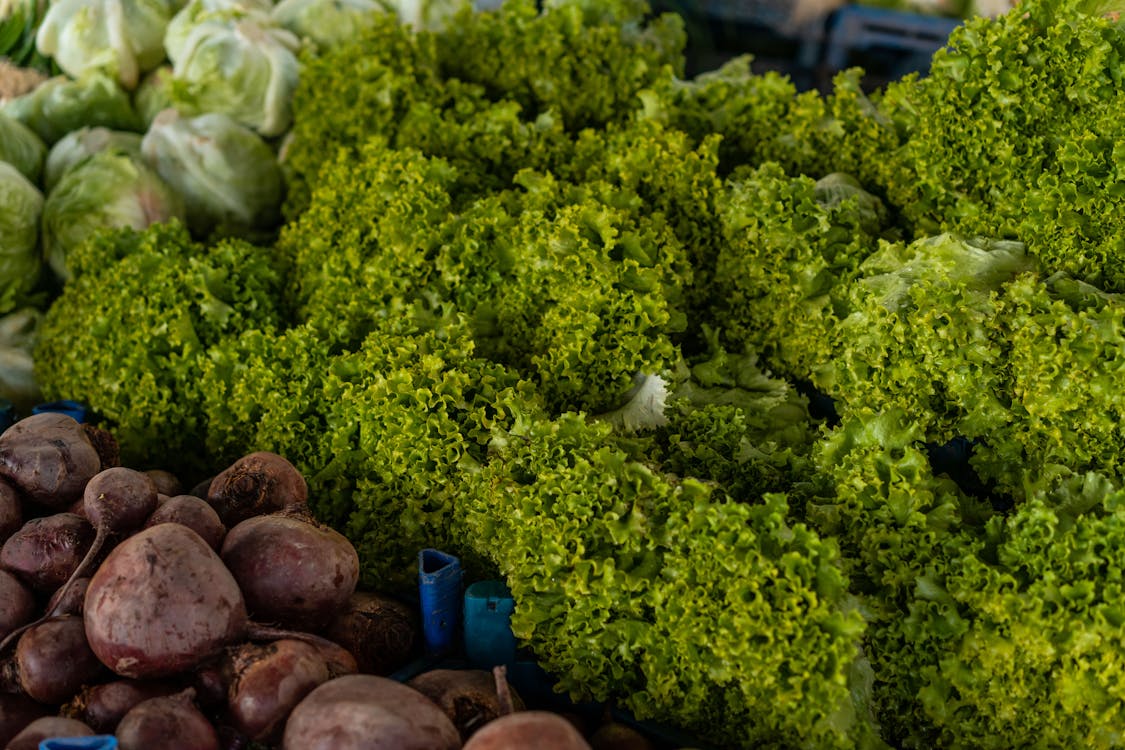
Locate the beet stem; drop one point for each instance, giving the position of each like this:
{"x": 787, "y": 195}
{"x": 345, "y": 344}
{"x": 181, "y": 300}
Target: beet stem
{"x": 503, "y": 692}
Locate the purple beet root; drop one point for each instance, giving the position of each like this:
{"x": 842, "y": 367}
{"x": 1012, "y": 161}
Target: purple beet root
{"x": 383, "y": 633}
{"x": 169, "y": 723}
{"x": 193, "y": 512}
{"x": 366, "y": 712}
{"x": 267, "y": 681}
{"x": 11, "y": 511}
{"x": 49, "y": 457}
{"x": 52, "y": 661}
{"x": 16, "y": 712}
{"x": 17, "y": 604}
{"x": 162, "y": 603}
{"x": 47, "y": 728}
{"x": 166, "y": 482}
{"x": 46, "y": 551}
{"x": 255, "y": 485}
{"x": 69, "y": 599}
{"x": 103, "y": 706}
{"x": 292, "y": 570}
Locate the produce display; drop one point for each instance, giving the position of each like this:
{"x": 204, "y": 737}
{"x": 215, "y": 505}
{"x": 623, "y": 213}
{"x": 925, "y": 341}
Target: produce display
{"x": 790, "y": 420}
{"x": 158, "y": 648}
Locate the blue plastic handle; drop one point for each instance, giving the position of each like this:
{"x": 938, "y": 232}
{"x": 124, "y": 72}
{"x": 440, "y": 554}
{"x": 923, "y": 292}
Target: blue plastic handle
{"x": 439, "y": 587}
{"x": 71, "y": 408}
{"x": 97, "y": 742}
{"x": 488, "y": 629}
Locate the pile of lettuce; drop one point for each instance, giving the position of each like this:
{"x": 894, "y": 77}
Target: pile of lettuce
{"x": 789, "y": 419}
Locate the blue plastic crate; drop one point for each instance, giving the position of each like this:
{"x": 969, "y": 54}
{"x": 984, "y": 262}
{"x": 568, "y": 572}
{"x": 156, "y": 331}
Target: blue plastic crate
{"x": 857, "y": 29}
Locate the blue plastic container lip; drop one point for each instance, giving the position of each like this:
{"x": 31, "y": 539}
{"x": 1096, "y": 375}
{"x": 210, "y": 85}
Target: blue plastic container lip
{"x": 96, "y": 742}
{"x": 439, "y": 589}
{"x": 74, "y": 409}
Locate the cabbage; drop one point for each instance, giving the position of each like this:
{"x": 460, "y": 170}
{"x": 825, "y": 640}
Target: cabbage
{"x": 152, "y": 96}
{"x": 109, "y": 189}
{"x": 227, "y": 175}
{"x": 21, "y": 148}
{"x": 219, "y": 12}
{"x": 427, "y": 14}
{"x": 123, "y": 38}
{"x": 60, "y": 105}
{"x": 326, "y": 23}
{"x": 79, "y": 144}
{"x": 20, "y": 206}
{"x": 243, "y": 69}
{"x": 19, "y": 331}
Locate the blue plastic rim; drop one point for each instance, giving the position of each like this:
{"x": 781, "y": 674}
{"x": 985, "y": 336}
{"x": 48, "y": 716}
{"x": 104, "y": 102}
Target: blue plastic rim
{"x": 488, "y": 628}
{"x": 97, "y": 742}
{"x": 73, "y": 409}
{"x": 439, "y": 587}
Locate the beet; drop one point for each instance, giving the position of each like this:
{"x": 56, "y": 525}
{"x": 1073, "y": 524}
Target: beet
{"x": 618, "y": 736}
{"x": 469, "y": 697}
{"x": 109, "y": 452}
{"x": 291, "y": 569}
{"x": 117, "y": 501}
{"x": 194, "y": 513}
{"x": 47, "y": 728}
{"x": 267, "y": 681}
{"x": 162, "y": 603}
{"x": 211, "y": 683}
{"x": 539, "y": 729}
{"x": 366, "y": 712}
{"x": 69, "y": 599}
{"x": 49, "y": 457}
{"x": 46, "y": 551}
{"x": 168, "y": 723}
{"x": 11, "y": 511}
{"x": 166, "y": 482}
{"x": 52, "y": 661}
{"x": 383, "y": 633}
{"x": 17, "y": 604}
{"x": 256, "y": 484}
{"x": 103, "y": 706}
{"x": 16, "y": 712}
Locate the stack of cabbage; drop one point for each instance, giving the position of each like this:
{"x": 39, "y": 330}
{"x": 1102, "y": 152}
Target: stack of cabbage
{"x": 160, "y": 110}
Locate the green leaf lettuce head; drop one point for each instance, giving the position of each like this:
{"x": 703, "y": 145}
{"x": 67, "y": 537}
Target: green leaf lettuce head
{"x": 21, "y": 204}
{"x": 226, "y": 174}
{"x": 122, "y": 38}
{"x": 326, "y": 23}
{"x": 244, "y": 69}
{"x": 60, "y": 105}
{"x": 643, "y": 588}
{"x": 77, "y": 145}
{"x": 130, "y": 330}
{"x": 108, "y": 190}
{"x": 21, "y": 147}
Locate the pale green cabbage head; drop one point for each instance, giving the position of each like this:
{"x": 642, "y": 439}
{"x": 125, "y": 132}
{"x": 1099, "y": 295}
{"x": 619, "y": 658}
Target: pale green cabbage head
{"x": 226, "y": 174}
{"x": 123, "y": 38}
{"x": 221, "y": 12}
{"x": 19, "y": 332}
{"x": 326, "y": 23}
{"x": 110, "y": 189}
{"x": 61, "y": 104}
{"x": 243, "y": 69}
{"x": 21, "y": 147}
{"x": 21, "y": 204}
{"x": 78, "y": 145}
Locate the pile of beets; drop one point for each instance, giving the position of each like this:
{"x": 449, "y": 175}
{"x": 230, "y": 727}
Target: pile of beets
{"x": 222, "y": 618}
